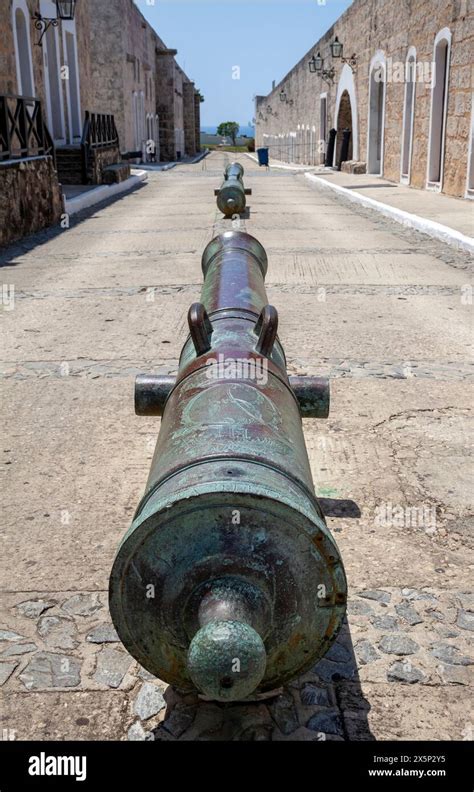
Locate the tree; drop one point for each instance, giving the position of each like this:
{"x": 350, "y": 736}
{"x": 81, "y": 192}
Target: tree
{"x": 229, "y": 129}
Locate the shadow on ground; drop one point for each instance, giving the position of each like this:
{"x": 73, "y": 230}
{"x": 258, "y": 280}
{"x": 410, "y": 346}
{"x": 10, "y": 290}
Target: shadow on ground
{"x": 326, "y": 703}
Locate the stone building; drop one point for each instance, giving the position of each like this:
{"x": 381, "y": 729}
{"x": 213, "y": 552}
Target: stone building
{"x": 135, "y": 75}
{"x": 406, "y": 98}
{"x": 27, "y": 69}
{"x": 75, "y": 96}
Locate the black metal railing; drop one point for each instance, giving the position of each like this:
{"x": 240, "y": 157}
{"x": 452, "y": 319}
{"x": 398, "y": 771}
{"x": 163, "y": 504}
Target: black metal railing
{"x": 99, "y": 131}
{"x": 23, "y": 132}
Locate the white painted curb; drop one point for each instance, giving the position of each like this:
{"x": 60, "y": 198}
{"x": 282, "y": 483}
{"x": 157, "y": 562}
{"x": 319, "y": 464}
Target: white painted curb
{"x": 102, "y": 193}
{"x": 430, "y": 227}
{"x": 155, "y": 168}
{"x": 158, "y": 167}
{"x": 282, "y": 166}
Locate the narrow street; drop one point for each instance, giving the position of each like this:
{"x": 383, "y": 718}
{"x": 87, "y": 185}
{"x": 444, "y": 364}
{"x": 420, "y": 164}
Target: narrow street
{"x": 384, "y": 311}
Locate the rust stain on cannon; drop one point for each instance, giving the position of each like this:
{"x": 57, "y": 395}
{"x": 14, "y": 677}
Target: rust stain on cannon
{"x": 229, "y": 582}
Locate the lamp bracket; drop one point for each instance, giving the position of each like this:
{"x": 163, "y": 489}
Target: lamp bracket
{"x": 43, "y": 24}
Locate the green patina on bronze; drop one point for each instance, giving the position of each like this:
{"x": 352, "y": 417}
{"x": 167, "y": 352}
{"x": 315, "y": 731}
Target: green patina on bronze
{"x": 231, "y": 197}
{"x": 228, "y": 581}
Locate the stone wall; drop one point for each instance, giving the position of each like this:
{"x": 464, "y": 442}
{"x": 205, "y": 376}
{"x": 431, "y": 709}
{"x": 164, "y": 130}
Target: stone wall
{"x": 135, "y": 77}
{"x": 197, "y": 121}
{"x": 189, "y": 120}
{"x": 118, "y": 72}
{"x": 100, "y": 159}
{"x": 34, "y": 197}
{"x": 165, "y": 72}
{"x": 122, "y": 58}
{"x": 367, "y": 27}
{"x": 179, "y": 112}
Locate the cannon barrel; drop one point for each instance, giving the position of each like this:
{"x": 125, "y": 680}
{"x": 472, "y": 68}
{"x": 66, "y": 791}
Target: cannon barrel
{"x": 229, "y": 582}
{"x": 231, "y": 198}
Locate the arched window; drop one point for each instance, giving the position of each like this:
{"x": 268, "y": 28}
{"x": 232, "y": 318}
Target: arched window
{"x": 72, "y": 83}
{"x": 439, "y": 106}
{"x": 408, "y": 115}
{"x": 21, "y": 36}
{"x": 135, "y": 119}
{"x": 376, "y": 123}
{"x": 157, "y": 137}
{"x": 52, "y": 76}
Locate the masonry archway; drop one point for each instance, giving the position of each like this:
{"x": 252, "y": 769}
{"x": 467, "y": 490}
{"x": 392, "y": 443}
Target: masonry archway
{"x": 439, "y": 106}
{"x": 346, "y": 96}
{"x": 344, "y": 121}
{"x": 376, "y": 121}
{"x": 22, "y": 42}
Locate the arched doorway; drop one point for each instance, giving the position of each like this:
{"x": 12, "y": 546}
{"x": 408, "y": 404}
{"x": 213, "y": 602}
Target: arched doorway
{"x": 439, "y": 105}
{"x": 21, "y": 34}
{"x": 408, "y": 115}
{"x": 344, "y": 122}
{"x": 376, "y": 123}
{"x": 346, "y": 95}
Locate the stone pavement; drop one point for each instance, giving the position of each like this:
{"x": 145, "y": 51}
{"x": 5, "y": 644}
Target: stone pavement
{"x": 383, "y": 310}
{"x": 456, "y": 213}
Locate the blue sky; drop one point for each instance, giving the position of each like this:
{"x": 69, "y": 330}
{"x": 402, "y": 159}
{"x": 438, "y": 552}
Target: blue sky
{"x": 265, "y": 38}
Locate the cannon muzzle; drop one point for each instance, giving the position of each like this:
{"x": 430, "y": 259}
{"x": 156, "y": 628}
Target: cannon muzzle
{"x": 231, "y": 198}
{"x": 228, "y": 581}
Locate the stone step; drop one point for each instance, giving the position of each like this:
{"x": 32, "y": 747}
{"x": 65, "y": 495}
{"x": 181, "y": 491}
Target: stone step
{"x": 113, "y": 174}
{"x": 68, "y": 158}
{"x": 70, "y": 178}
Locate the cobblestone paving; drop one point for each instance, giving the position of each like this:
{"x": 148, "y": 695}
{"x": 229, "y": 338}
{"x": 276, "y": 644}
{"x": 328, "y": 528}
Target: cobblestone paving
{"x": 394, "y": 637}
{"x": 386, "y": 312}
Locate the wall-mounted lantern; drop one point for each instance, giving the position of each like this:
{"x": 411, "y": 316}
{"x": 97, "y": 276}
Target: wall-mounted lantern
{"x": 316, "y": 64}
{"x": 336, "y": 51}
{"x": 284, "y": 98}
{"x": 336, "y": 48}
{"x": 65, "y": 10}
{"x": 316, "y": 67}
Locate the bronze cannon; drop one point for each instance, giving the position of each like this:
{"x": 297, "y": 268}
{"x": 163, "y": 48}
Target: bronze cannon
{"x": 228, "y": 582}
{"x": 231, "y": 195}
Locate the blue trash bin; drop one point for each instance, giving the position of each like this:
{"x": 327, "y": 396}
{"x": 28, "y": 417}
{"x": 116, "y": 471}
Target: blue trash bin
{"x": 262, "y": 156}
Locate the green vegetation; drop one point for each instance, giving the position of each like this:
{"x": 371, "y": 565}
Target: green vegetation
{"x": 229, "y": 129}
{"x": 249, "y": 146}
{"x": 215, "y": 147}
